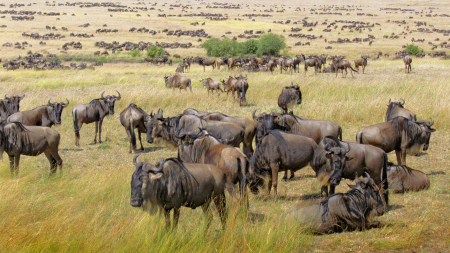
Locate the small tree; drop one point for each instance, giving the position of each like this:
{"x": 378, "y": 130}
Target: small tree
{"x": 135, "y": 53}
{"x": 271, "y": 44}
{"x": 155, "y": 52}
{"x": 412, "y": 49}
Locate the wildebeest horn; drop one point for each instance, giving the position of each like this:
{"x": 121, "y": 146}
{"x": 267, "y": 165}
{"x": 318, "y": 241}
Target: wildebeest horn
{"x": 102, "y": 94}
{"x": 22, "y": 96}
{"x": 403, "y": 101}
{"x": 367, "y": 174}
{"x": 49, "y": 102}
{"x": 134, "y": 159}
{"x": 431, "y": 123}
{"x": 118, "y": 98}
{"x": 6, "y": 97}
{"x": 253, "y": 114}
{"x": 389, "y": 102}
{"x": 67, "y": 103}
{"x": 151, "y": 113}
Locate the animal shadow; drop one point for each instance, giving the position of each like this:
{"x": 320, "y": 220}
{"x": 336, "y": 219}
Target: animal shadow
{"x": 421, "y": 154}
{"x": 394, "y": 207}
{"x": 148, "y": 150}
{"x": 256, "y": 217}
{"x": 299, "y": 178}
{"x": 436, "y": 173}
{"x": 73, "y": 149}
{"x": 311, "y": 196}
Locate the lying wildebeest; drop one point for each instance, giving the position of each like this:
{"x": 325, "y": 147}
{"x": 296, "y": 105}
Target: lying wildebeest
{"x": 361, "y": 62}
{"x": 396, "y": 109}
{"x": 172, "y": 184}
{"x": 335, "y": 159}
{"x": 407, "y": 60}
{"x": 399, "y": 134}
{"x": 180, "y": 69}
{"x": 192, "y": 111}
{"x": 95, "y": 111}
{"x": 177, "y": 81}
{"x": 5, "y": 110}
{"x": 403, "y": 179}
{"x": 241, "y": 88}
{"x": 290, "y": 96}
{"x": 134, "y": 117}
{"x": 211, "y": 85}
{"x": 230, "y": 160}
{"x": 342, "y": 64}
{"x": 348, "y": 211}
{"x": 45, "y": 115}
{"x": 15, "y": 102}
{"x": 248, "y": 125}
{"x": 278, "y": 151}
{"x": 17, "y": 139}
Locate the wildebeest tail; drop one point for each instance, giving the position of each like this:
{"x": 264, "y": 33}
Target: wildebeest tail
{"x": 244, "y": 101}
{"x": 384, "y": 179}
{"x": 189, "y": 84}
{"x": 75, "y": 122}
{"x": 340, "y": 133}
{"x": 359, "y": 137}
{"x": 132, "y": 134}
{"x": 353, "y": 69}
{"x": 306, "y": 67}
{"x": 244, "y": 147}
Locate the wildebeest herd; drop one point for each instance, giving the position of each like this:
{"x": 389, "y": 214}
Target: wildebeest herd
{"x": 210, "y": 161}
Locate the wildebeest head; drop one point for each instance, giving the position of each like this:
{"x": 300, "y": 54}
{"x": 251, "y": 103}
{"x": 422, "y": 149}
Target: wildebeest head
{"x": 15, "y": 102}
{"x": 152, "y": 122}
{"x": 57, "y": 110}
{"x": 426, "y": 132}
{"x": 337, "y": 155}
{"x": 297, "y": 91}
{"x": 372, "y": 195}
{"x": 110, "y": 100}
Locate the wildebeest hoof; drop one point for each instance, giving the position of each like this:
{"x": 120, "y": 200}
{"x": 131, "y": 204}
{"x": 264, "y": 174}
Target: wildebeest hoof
{"x": 285, "y": 179}
{"x": 266, "y": 198}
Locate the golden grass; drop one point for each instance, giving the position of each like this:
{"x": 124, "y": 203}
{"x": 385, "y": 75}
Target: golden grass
{"x": 86, "y": 208}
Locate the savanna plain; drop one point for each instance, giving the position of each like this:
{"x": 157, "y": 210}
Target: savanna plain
{"x": 86, "y": 207}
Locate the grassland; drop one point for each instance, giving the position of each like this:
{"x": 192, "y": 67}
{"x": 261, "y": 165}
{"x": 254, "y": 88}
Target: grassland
{"x": 86, "y": 208}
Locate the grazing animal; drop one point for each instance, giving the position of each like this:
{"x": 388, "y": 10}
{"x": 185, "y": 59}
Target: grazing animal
{"x": 342, "y": 64}
{"x": 212, "y": 85}
{"x": 361, "y": 62}
{"x": 180, "y": 69}
{"x": 172, "y": 184}
{"x": 177, "y": 81}
{"x": 407, "y": 60}
{"x": 95, "y": 111}
{"x": 278, "y": 151}
{"x": 134, "y": 117}
{"x": 15, "y": 102}
{"x": 399, "y": 134}
{"x": 17, "y": 139}
{"x": 353, "y": 210}
{"x": 396, "y": 109}
{"x": 289, "y": 97}
{"x": 335, "y": 159}
{"x": 241, "y": 88}
{"x": 403, "y": 179}
{"x": 45, "y": 115}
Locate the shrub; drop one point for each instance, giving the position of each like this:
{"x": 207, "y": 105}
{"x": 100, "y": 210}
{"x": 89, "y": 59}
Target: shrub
{"x": 412, "y": 49}
{"x": 155, "y": 52}
{"x": 271, "y": 44}
{"x": 251, "y": 46}
{"x": 135, "y": 53}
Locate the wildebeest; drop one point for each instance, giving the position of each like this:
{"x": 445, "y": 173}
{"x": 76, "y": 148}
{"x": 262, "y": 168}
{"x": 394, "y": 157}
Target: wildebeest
{"x": 339, "y": 212}
{"x": 403, "y": 179}
{"x": 180, "y": 69}
{"x": 194, "y": 112}
{"x": 399, "y": 134}
{"x": 177, "y": 81}
{"x": 271, "y": 65}
{"x": 45, "y": 115}
{"x": 212, "y": 85}
{"x": 290, "y": 96}
{"x": 241, "y": 88}
{"x": 230, "y": 160}
{"x": 172, "y": 184}
{"x": 229, "y": 85}
{"x": 297, "y": 60}
{"x": 134, "y": 117}
{"x": 315, "y": 62}
{"x": 15, "y": 102}
{"x": 407, "y": 60}
{"x": 342, "y": 64}
{"x": 95, "y": 111}
{"x": 361, "y": 62}
{"x": 396, "y": 109}
{"x": 278, "y": 151}
{"x": 5, "y": 110}
{"x": 207, "y": 62}
{"x": 17, "y": 139}
{"x": 286, "y": 64}
{"x": 335, "y": 159}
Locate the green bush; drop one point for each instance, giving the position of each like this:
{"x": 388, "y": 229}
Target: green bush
{"x": 251, "y": 46}
{"x": 271, "y": 44}
{"x": 412, "y": 49}
{"x": 135, "y": 53}
{"x": 155, "y": 52}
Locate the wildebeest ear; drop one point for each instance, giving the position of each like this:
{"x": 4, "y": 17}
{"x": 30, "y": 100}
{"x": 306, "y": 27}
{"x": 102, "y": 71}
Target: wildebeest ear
{"x": 352, "y": 186}
{"x": 153, "y": 177}
{"x": 329, "y": 155}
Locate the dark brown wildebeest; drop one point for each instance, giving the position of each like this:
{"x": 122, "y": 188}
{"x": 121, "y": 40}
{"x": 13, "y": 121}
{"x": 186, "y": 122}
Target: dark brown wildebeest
{"x": 403, "y": 179}
{"x": 271, "y": 65}
{"x": 297, "y": 60}
{"x": 230, "y": 160}
{"x": 290, "y": 96}
{"x": 407, "y": 60}
{"x": 344, "y": 65}
{"x": 134, "y": 117}
{"x": 248, "y": 125}
{"x": 207, "y": 62}
{"x": 335, "y": 159}
{"x": 180, "y": 69}
{"x": 211, "y": 85}
{"x": 241, "y": 88}
{"x": 229, "y": 85}
{"x": 353, "y": 210}
{"x": 286, "y": 64}
{"x": 5, "y": 110}
{"x": 278, "y": 151}
{"x": 361, "y": 62}
{"x": 17, "y": 139}
{"x": 222, "y": 61}
{"x": 172, "y": 184}
{"x": 95, "y": 111}
{"x": 177, "y": 81}
{"x": 399, "y": 134}
{"x": 45, "y": 115}
{"x": 15, "y": 102}
{"x": 396, "y": 109}
{"x": 187, "y": 64}
{"x": 315, "y": 62}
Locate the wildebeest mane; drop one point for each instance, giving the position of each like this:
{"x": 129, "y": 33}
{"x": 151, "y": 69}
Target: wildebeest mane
{"x": 196, "y": 150}
{"x": 94, "y": 102}
{"x": 256, "y": 159}
{"x": 319, "y": 158}
{"x": 391, "y": 107}
{"x": 9, "y": 139}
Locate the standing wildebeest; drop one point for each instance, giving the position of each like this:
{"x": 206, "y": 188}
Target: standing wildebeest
{"x": 180, "y": 69}
{"x": 271, "y": 65}
{"x": 172, "y": 184}
{"x": 229, "y": 85}
{"x": 399, "y": 134}
{"x": 403, "y": 179}
{"x": 187, "y": 64}
{"x": 297, "y": 60}
{"x": 241, "y": 88}
{"x": 290, "y": 95}
{"x": 15, "y": 102}
{"x": 286, "y": 64}
{"x": 45, "y": 115}
{"x": 134, "y": 117}
{"x": 177, "y": 81}
{"x": 407, "y": 60}
{"x": 212, "y": 85}
{"x": 230, "y": 160}
{"x": 335, "y": 159}
{"x": 315, "y": 62}
{"x": 361, "y": 62}
{"x": 344, "y": 211}
{"x": 278, "y": 151}
{"x": 16, "y": 140}
{"x": 222, "y": 61}
{"x": 396, "y": 109}
{"x": 207, "y": 62}
{"x": 342, "y": 64}
{"x": 5, "y": 110}
{"x": 95, "y": 111}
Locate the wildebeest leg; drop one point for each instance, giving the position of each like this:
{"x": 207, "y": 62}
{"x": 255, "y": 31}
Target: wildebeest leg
{"x": 292, "y": 175}
{"x": 207, "y": 213}
{"x": 57, "y": 158}
{"x": 167, "y": 217}
{"x": 140, "y": 140}
{"x": 274, "y": 167}
{"x": 399, "y": 157}
{"x": 324, "y": 191}
{"x": 100, "y": 130}
{"x": 176, "y": 217}
{"x": 129, "y": 138}
{"x": 77, "y": 134}
{"x": 11, "y": 165}
{"x": 332, "y": 189}
{"x": 52, "y": 162}
{"x": 403, "y": 156}
{"x": 96, "y": 131}
{"x": 285, "y": 177}
{"x": 269, "y": 186}
{"x": 219, "y": 202}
